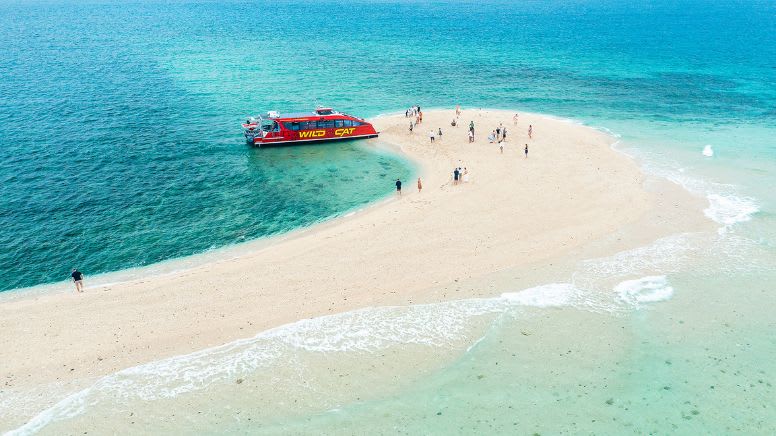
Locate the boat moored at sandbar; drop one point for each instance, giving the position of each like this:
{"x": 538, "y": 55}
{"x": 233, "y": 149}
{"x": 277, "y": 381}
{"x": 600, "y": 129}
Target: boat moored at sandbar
{"x": 322, "y": 124}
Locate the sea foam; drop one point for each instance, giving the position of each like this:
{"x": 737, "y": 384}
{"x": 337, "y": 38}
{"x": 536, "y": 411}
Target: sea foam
{"x": 650, "y": 289}
{"x": 730, "y": 209}
{"x": 550, "y": 295}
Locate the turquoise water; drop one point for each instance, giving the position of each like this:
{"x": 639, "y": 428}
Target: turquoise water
{"x": 120, "y": 148}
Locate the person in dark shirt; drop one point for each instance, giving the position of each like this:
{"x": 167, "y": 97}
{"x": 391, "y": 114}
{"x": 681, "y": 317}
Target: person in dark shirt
{"x": 78, "y": 279}
{"x": 398, "y": 186}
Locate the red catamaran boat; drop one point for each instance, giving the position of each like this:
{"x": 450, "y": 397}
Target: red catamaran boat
{"x": 324, "y": 124}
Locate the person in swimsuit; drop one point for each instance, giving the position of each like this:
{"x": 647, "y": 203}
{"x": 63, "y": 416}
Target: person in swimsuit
{"x": 530, "y": 131}
{"x": 78, "y": 279}
{"x": 514, "y": 119}
{"x": 398, "y": 187}
{"x": 526, "y": 151}
{"x": 455, "y": 176}
{"x": 420, "y": 185}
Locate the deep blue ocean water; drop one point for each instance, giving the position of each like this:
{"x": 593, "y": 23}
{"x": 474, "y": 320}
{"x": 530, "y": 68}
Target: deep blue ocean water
{"x": 120, "y": 147}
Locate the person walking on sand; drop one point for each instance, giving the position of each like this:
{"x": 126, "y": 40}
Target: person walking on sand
{"x": 456, "y": 175}
{"x": 526, "y": 151}
{"x": 471, "y": 126}
{"x": 431, "y": 135}
{"x": 530, "y": 131}
{"x": 398, "y": 187}
{"x": 411, "y": 127}
{"x": 471, "y": 136}
{"x": 78, "y": 279}
{"x": 440, "y": 133}
{"x": 503, "y": 133}
{"x": 501, "y": 146}
{"x": 420, "y": 115}
{"x": 457, "y": 110}
{"x": 420, "y": 185}
{"x": 465, "y": 175}
{"x": 514, "y": 119}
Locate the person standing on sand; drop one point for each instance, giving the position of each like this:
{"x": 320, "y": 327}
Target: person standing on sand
{"x": 398, "y": 187}
{"x": 465, "y": 175}
{"x": 456, "y": 175}
{"x": 410, "y": 127}
{"x": 471, "y": 126}
{"x": 501, "y": 146}
{"x": 440, "y": 133}
{"x": 526, "y": 151}
{"x": 457, "y": 110}
{"x": 420, "y": 114}
{"x": 471, "y": 136}
{"x": 530, "y": 131}
{"x": 431, "y": 135}
{"x": 420, "y": 185}
{"x": 514, "y": 119}
{"x": 78, "y": 279}
{"x": 503, "y": 133}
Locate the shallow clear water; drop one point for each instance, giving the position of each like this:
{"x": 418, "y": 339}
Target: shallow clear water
{"x": 141, "y": 101}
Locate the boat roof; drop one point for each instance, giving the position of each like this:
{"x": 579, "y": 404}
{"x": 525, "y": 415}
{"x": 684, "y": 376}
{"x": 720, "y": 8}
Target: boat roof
{"x": 307, "y": 116}
{"x": 297, "y": 115}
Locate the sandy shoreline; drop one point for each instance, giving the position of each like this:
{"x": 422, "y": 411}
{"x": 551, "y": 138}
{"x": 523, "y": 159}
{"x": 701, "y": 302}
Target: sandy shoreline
{"x": 573, "y": 190}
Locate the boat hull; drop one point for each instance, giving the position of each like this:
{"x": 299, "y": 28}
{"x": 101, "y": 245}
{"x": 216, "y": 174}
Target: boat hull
{"x": 278, "y": 142}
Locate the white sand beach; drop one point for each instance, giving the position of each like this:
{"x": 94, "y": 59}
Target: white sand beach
{"x": 572, "y": 189}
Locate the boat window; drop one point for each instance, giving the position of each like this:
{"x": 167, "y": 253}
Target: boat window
{"x": 339, "y": 123}
{"x": 326, "y": 124}
{"x": 356, "y": 123}
{"x": 348, "y": 123}
{"x": 291, "y": 126}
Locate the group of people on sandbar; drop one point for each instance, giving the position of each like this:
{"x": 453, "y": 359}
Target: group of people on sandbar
{"x": 414, "y": 111}
{"x": 398, "y": 186}
{"x": 460, "y": 175}
{"x": 499, "y": 134}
